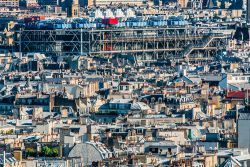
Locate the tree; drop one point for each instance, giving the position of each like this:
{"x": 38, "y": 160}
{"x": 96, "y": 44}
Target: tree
{"x": 9, "y": 132}
{"x": 30, "y": 152}
{"x": 46, "y": 151}
{"x": 55, "y": 152}
{"x": 49, "y": 152}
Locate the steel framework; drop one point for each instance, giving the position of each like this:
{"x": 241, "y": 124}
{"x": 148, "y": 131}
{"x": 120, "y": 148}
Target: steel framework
{"x": 147, "y": 44}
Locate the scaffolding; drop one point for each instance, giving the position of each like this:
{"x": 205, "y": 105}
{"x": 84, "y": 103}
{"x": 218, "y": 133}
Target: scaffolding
{"x": 147, "y": 44}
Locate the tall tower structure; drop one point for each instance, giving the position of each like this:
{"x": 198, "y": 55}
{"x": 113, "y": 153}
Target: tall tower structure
{"x": 73, "y": 8}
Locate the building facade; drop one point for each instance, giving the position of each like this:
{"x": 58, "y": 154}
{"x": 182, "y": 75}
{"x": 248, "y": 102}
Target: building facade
{"x": 102, "y": 3}
{"x": 9, "y": 3}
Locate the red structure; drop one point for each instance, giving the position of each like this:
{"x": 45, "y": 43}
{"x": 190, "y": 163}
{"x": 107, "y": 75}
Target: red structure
{"x": 33, "y": 18}
{"x": 110, "y": 21}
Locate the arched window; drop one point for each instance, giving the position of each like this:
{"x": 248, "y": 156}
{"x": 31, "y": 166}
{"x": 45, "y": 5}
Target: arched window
{"x": 152, "y": 100}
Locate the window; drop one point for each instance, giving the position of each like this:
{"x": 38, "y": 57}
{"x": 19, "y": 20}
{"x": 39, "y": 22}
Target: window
{"x": 169, "y": 151}
{"x": 153, "y": 150}
{"x": 152, "y": 100}
{"x": 75, "y": 12}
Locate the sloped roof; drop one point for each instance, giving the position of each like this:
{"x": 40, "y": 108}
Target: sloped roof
{"x": 140, "y": 106}
{"x": 89, "y": 152}
{"x": 244, "y": 116}
{"x": 211, "y": 77}
{"x": 124, "y": 83}
{"x": 236, "y": 94}
{"x": 231, "y": 162}
{"x": 9, "y": 158}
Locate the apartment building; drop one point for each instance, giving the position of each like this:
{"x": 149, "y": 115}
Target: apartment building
{"x": 9, "y": 3}
{"x": 102, "y": 3}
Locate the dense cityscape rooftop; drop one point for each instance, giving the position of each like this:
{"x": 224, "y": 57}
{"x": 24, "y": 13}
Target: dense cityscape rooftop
{"x": 124, "y": 83}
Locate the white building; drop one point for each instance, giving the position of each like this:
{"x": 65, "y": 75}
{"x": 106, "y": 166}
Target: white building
{"x": 231, "y": 79}
{"x": 9, "y": 3}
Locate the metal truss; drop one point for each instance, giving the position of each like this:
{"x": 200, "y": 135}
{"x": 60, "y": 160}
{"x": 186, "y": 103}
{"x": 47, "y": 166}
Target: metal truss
{"x": 147, "y": 44}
